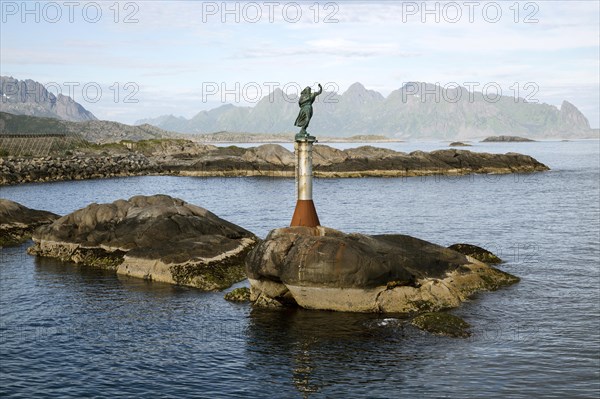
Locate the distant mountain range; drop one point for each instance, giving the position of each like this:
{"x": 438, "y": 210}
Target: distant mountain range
{"x": 27, "y": 97}
{"x": 407, "y": 113}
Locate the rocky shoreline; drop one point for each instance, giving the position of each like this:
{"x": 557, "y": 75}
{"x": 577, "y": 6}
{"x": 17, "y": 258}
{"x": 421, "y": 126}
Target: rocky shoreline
{"x": 46, "y": 169}
{"x": 185, "y": 158}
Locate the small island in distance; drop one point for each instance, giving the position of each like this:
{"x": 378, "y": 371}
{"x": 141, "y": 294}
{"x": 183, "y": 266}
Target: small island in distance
{"x": 459, "y": 144}
{"x": 506, "y": 139}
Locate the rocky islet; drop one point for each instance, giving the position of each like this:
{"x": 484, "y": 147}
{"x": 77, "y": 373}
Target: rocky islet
{"x": 326, "y": 269}
{"x": 157, "y": 238}
{"x": 185, "y": 158}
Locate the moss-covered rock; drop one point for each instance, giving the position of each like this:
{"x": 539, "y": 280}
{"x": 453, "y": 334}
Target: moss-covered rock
{"x": 482, "y": 255}
{"x": 441, "y": 323}
{"x": 239, "y": 295}
{"x": 212, "y": 276}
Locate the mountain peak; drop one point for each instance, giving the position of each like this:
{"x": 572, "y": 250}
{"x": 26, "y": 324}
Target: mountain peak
{"x": 356, "y": 87}
{"x": 358, "y": 93}
{"x": 363, "y": 111}
{"x": 571, "y": 116}
{"x": 28, "y": 97}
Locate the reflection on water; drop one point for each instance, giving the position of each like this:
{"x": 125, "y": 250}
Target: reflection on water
{"x": 321, "y": 348}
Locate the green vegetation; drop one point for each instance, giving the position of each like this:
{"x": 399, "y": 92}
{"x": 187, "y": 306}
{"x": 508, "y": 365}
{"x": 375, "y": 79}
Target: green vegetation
{"x": 88, "y": 131}
{"x": 214, "y": 276}
{"x": 8, "y": 240}
{"x": 23, "y": 124}
{"x": 98, "y": 257}
{"x": 498, "y": 279}
{"x": 22, "y": 142}
{"x": 238, "y": 295}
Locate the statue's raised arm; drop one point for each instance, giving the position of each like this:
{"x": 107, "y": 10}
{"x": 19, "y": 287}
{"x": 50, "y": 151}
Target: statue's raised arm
{"x": 320, "y": 90}
{"x": 307, "y": 98}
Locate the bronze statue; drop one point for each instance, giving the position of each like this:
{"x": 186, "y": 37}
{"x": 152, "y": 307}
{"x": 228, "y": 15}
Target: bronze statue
{"x": 307, "y": 98}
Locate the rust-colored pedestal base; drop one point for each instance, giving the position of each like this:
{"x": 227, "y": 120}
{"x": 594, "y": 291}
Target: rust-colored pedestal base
{"x": 305, "y": 214}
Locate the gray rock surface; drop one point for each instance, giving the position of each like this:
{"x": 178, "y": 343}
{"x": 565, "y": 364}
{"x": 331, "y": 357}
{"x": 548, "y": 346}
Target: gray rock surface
{"x": 322, "y": 268}
{"x": 272, "y": 154}
{"x": 157, "y": 238}
{"x": 358, "y": 162}
{"x": 17, "y": 222}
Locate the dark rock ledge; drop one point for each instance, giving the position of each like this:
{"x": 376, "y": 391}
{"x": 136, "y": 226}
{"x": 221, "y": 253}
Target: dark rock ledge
{"x": 18, "y": 222}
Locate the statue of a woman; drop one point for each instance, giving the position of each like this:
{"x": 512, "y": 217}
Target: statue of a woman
{"x": 306, "y": 100}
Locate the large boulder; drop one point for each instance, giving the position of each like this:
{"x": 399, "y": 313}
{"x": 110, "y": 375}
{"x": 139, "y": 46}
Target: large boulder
{"x": 17, "y": 222}
{"x": 370, "y": 152}
{"x": 157, "y": 238}
{"x": 324, "y": 155}
{"x": 270, "y": 154}
{"x": 322, "y": 268}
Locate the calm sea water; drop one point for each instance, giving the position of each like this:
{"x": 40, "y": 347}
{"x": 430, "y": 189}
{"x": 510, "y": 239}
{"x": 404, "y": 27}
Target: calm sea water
{"x": 71, "y": 331}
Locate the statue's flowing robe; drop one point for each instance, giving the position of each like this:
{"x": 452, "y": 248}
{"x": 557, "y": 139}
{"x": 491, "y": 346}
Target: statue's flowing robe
{"x": 306, "y": 110}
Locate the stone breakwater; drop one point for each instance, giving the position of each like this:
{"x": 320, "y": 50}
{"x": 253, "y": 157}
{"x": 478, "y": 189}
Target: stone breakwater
{"x": 24, "y": 170}
{"x": 192, "y": 159}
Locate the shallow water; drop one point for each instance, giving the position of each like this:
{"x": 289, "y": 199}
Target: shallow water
{"x": 71, "y": 331}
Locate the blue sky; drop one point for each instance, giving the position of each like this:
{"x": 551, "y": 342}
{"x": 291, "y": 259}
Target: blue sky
{"x": 172, "y": 53}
